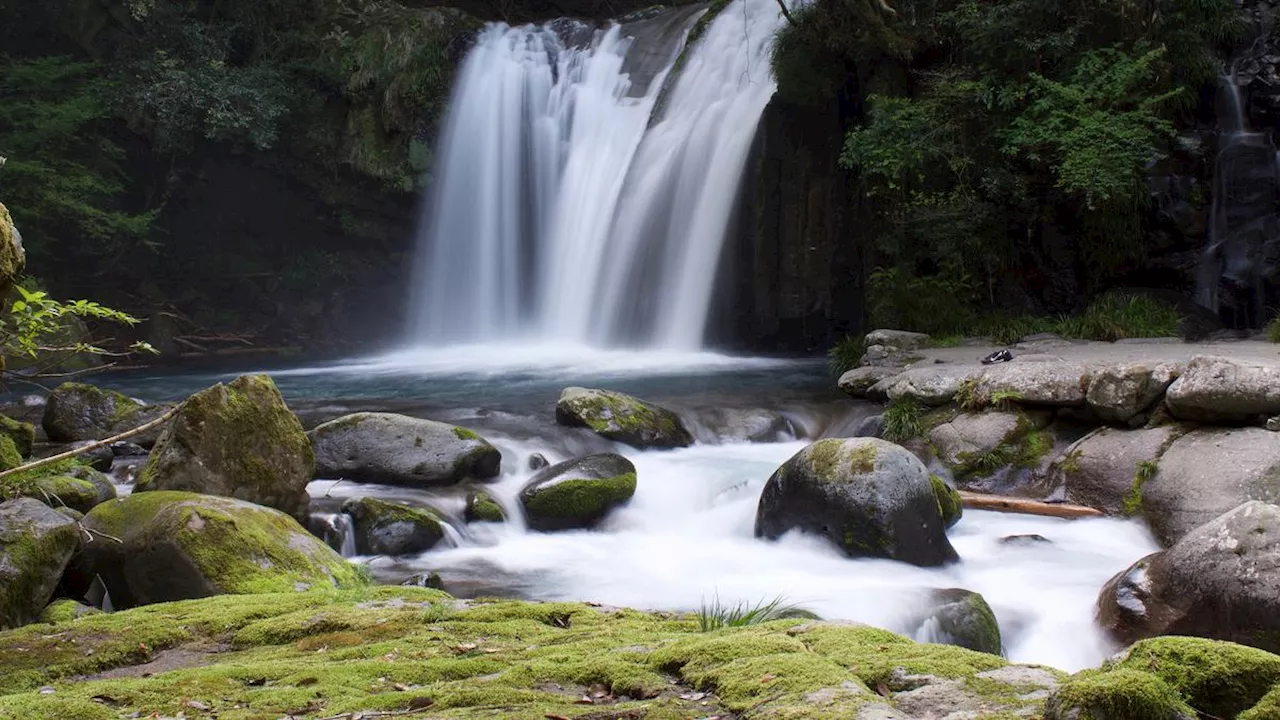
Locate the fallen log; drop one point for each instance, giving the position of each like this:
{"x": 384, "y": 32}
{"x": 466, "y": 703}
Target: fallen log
{"x": 1025, "y": 506}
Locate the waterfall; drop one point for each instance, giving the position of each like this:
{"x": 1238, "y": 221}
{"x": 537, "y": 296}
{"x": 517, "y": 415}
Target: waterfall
{"x": 563, "y": 209}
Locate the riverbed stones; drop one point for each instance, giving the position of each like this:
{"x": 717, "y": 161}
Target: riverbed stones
{"x": 578, "y": 493}
{"x": 481, "y": 507}
{"x": 1107, "y": 468}
{"x": 955, "y": 616}
{"x": 859, "y": 381}
{"x": 35, "y": 545}
{"x": 237, "y": 440}
{"x": 1207, "y": 472}
{"x": 178, "y": 546}
{"x": 1120, "y": 393}
{"x": 1221, "y": 581}
{"x": 623, "y": 418}
{"x": 76, "y": 411}
{"x": 386, "y": 528}
{"x": 869, "y": 497}
{"x": 1225, "y": 390}
{"x": 400, "y": 450}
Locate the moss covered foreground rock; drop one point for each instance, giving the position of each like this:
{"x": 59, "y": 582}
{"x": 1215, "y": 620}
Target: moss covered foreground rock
{"x": 578, "y": 493}
{"x": 22, "y": 434}
{"x": 236, "y": 440}
{"x": 175, "y": 546}
{"x": 623, "y": 418}
{"x": 323, "y": 654}
{"x": 35, "y": 544}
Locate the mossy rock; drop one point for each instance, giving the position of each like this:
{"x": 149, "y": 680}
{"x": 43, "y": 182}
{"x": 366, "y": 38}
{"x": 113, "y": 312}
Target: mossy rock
{"x": 1116, "y": 695}
{"x": 869, "y": 497}
{"x": 76, "y": 412}
{"x": 949, "y": 502}
{"x": 1268, "y": 708}
{"x": 578, "y": 493}
{"x": 963, "y": 618}
{"x": 175, "y": 546}
{"x": 35, "y": 545}
{"x": 13, "y": 257}
{"x": 400, "y": 450}
{"x": 1218, "y": 678}
{"x": 622, "y": 418}
{"x": 64, "y": 610}
{"x": 23, "y": 434}
{"x": 81, "y": 492}
{"x": 236, "y": 440}
{"x": 385, "y": 528}
{"x": 10, "y": 458}
{"x": 481, "y": 507}
{"x": 385, "y": 649}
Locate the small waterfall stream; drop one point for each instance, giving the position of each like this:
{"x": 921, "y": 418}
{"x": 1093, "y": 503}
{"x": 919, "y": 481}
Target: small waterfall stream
{"x": 562, "y": 207}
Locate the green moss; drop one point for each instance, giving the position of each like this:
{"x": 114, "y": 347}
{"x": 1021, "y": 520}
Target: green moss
{"x": 11, "y": 260}
{"x": 1273, "y": 330}
{"x": 902, "y": 420}
{"x": 27, "y": 561}
{"x": 949, "y": 503}
{"x": 622, "y": 417}
{"x": 241, "y": 548}
{"x": 9, "y": 456}
{"x": 1268, "y": 708}
{"x": 65, "y": 491}
{"x": 481, "y": 507}
{"x": 464, "y": 434}
{"x": 64, "y": 610}
{"x": 874, "y": 654}
{"x": 1143, "y": 471}
{"x": 1023, "y": 448}
{"x": 1070, "y": 462}
{"x": 1117, "y": 695}
{"x": 1215, "y": 677}
{"x": 862, "y": 459}
{"x": 582, "y": 500}
{"x": 22, "y": 434}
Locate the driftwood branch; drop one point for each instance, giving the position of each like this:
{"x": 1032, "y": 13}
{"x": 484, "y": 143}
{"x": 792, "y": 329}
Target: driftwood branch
{"x": 1000, "y": 503}
{"x": 93, "y": 445}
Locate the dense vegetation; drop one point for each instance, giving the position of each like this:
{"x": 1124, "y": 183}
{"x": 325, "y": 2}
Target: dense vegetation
{"x": 1003, "y": 139}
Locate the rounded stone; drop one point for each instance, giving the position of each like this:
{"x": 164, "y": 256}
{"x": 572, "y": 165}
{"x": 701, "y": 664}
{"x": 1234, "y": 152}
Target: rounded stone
{"x": 578, "y": 493}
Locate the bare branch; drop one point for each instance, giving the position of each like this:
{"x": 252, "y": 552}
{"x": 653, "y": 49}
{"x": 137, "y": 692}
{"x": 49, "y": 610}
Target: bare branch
{"x": 93, "y": 445}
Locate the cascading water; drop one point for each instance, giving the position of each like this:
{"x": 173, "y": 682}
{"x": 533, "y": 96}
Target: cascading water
{"x": 562, "y": 210}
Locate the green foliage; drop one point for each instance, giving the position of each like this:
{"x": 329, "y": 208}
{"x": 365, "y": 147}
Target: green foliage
{"x": 35, "y": 316}
{"x": 1273, "y": 330}
{"x": 845, "y": 354}
{"x": 1143, "y": 471}
{"x": 717, "y": 615}
{"x": 903, "y": 420}
{"x": 1115, "y": 316}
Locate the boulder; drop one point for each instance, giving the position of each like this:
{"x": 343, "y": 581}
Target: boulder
{"x": 384, "y": 528}
{"x": 537, "y": 461}
{"x": 972, "y": 435}
{"x": 81, "y": 489}
{"x": 577, "y": 493}
{"x": 928, "y": 385}
{"x": 99, "y": 458}
{"x": 1116, "y": 695}
{"x": 35, "y": 545}
{"x": 869, "y": 497}
{"x": 1220, "y": 389}
{"x": 10, "y": 458}
{"x": 1119, "y": 393}
{"x": 622, "y": 418}
{"x": 76, "y": 412}
{"x": 237, "y": 440}
{"x": 1220, "y": 581}
{"x": 399, "y": 450}
{"x": 949, "y": 501}
{"x": 13, "y": 257}
{"x": 1207, "y": 472}
{"x": 1053, "y": 383}
{"x": 481, "y": 507}
{"x": 22, "y": 434}
{"x": 859, "y": 381}
{"x": 954, "y": 616}
{"x": 1219, "y": 679}
{"x": 897, "y": 339}
{"x": 1107, "y": 468}
{"x": 178, "y": 546}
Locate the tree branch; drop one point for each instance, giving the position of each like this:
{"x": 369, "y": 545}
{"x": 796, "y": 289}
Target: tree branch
{"x": 93, "y": 445}
{"x": 786, "y": 13}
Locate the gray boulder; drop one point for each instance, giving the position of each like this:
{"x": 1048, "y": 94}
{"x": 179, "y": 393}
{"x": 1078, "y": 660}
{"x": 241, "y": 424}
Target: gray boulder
{"x": 1219, "y": 389}
{"x": 35, "y": 545}
{"x": 399, "y": 450}
{"x": 897, "y": 339}
{"x": 1207, "y": 472}
{"x": 481, "y": 507}
{"x": 578, "y": 493}
{"x": 1120, "y": 393}
{"x": 970, "y": 435}
{"x": 869, "y": 497}
{"x": 81, "y": 489}
{"x": 1220, "y": 581}
{"x": 1050, "y": 383}
{"x": 164, "y": 546}
{"x": 954, "y": 616}
{"x": 859, "y": 381}
{"x": 1107, "y": 468}
{"x": 928, "y": 385}
{"x": 236, "y": 440}
{"x": 622, "y": 418}
{"x": 384, "y": 528}
{"x": 76, "y": 412}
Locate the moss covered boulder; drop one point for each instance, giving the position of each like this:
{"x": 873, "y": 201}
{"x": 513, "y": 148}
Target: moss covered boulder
{"x": 1220, "y": 581}
{"x": 622, "y": 418}
{"x": 81, "y": 489}
{"x": 236, "y": 440}
{"x": 22, "y": 434}
{"x": 399, "y": 450}
{"x": 481, "y": 507}
{"x": 13, "y": 257}
{"x": 9, "y": 456}
{"x": 949, "y": 501}
{"x": 35, "y": 545}
{"x": 175, "y": 546}
{"x": 578, "y": 493}
{"x": 954, "y": 616}
{"x": 76, "y": 411}
{"x": 869, "y": 497}
{"x": 385, "y": 528}
{"x": 1117, "y": 695}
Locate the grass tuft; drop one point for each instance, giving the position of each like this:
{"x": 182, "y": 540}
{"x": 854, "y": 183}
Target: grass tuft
{"x": 718, "y": 615}
{"x": 1273, "y": 329}
{"x": 903, "y": 420}
{"x": 845, "y": 355}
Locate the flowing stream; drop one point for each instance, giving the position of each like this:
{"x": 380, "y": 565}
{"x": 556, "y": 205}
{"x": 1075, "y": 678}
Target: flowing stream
{"x": 686, "y": 537}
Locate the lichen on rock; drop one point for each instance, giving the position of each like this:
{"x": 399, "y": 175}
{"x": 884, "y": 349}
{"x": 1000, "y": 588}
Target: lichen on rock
{"x": 481, "y": 507}
{"x": 623, "y": 418}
